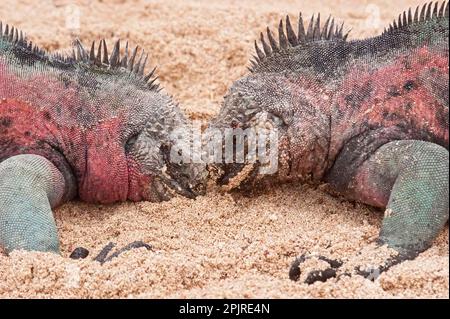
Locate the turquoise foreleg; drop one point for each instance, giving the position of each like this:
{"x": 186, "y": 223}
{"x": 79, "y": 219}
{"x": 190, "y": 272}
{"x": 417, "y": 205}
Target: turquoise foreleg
{"x": 30, "y": 186}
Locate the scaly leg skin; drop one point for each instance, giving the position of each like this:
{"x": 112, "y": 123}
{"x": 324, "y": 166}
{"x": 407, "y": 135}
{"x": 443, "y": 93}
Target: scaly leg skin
{"x": 30, "y": 186}
{"x": 415, "y": 175}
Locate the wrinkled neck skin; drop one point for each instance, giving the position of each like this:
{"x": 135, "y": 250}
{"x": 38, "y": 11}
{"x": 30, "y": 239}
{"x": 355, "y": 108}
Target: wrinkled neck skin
{"x": 309, "y": 128}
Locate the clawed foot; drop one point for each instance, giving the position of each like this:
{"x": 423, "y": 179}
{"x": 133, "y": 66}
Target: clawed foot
{"x": 315, "y": 275}
{"x": 372, "y": 273}
{"x": 102, "y": 257}
{"x": 337, "y": 268}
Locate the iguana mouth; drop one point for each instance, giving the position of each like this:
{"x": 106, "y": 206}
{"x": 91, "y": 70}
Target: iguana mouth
{"x": 172, "y": 186}
{"x": 188, "y": 180}
{"x": 239, "y": 175}
{"x": 242, "y": 176}
{"x": 236, "y": 175}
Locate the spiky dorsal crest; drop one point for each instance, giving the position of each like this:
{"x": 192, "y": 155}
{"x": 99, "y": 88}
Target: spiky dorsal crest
{"x": 288, "y": 38}
{"x": 97, "y": 57}
{"x": 427, "y": 12}
{"x": 18, "y": 38}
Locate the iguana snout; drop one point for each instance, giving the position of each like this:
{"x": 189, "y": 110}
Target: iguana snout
{"x": 255, "y": 131}
{"x": 151, "y": 163}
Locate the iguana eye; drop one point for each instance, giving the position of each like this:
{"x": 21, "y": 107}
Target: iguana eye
{"x": 276, "y": 120}
{"x": 131, "y": 141}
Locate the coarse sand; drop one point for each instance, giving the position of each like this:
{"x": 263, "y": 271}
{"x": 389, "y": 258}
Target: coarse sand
{"x": 219, "y": 245}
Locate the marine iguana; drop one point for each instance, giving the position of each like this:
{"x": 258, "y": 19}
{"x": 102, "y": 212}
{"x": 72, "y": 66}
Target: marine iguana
{"x": 87, "y": 125}
{"x": 368, "y": 117}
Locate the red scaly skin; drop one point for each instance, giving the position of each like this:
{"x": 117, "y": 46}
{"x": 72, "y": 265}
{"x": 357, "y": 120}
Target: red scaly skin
{"x": 398, "y": 95}
{"x": 92, "y": 152}
{"x": 397, "y": 99}
{"x": 400, "y": 105}
{"x": 138, "y": 189}
{"x": 102, "y": 153}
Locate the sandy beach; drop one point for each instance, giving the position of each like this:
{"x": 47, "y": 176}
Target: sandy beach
{"x": 219, "y": 245}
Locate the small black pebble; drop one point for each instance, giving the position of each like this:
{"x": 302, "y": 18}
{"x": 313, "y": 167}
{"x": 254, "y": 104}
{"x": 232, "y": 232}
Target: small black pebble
{"x": 79, "y": 253}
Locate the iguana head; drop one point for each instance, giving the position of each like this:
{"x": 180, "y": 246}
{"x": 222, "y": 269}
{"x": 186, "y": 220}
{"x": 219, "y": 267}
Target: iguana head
{"x": 285, "y": 93}
{"x": 152, "y": 123}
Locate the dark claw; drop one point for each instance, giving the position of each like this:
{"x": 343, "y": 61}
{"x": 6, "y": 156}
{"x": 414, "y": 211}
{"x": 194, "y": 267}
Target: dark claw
{"x": 104, "y": 252}
{"x": 133, "y": 245}
{"x": 323, "y": 275}
{"x": 294, "y": 272}
{"x": 102, "y": 256}
{"x": 334, "y": 263}
{"x": 320, "y": 275}
{"x": 79, "y": 253}
{"x": 374, "y": 272}
{"x": 316, "y": 275}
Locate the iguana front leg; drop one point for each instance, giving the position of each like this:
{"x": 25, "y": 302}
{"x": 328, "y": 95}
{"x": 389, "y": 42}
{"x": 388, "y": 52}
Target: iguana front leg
{"x": 418, "y": 207}
{"x": 413, "y": 177}
{"x": 30, "y": 186}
